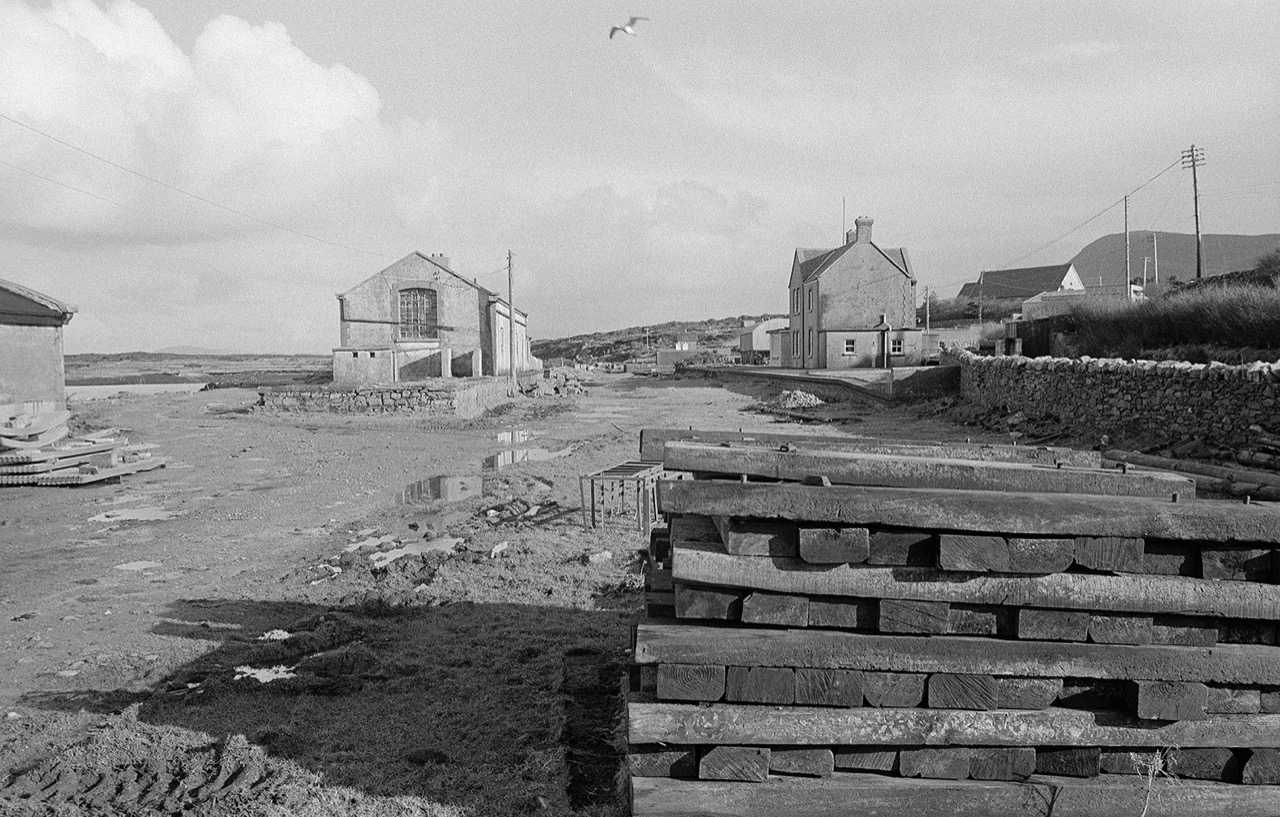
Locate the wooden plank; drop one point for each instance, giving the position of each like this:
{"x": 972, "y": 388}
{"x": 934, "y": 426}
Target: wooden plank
{"x": 1119, "y": 553}
{"x": 1096, "y": 695}
{"x": 1140, "y": 762}
{"x": 828, "y": 687}
{"x": 653, "y": 443}
{"x": 849, "y": 614}
{"x": 775, "y": 608}
{"x": 693, "y": 528}
{"x": 1067, "y": 591}
{"x": 935, "y": 764}
{"x": 856, "y": 795}
{"x": 1262, "y": 768}
{"x": 1053, "y": 625}
{"x": 1040, "y": 555}
{"x": 893, "y": 689}
{"x": 897, "y": 471}
{"x": 914, "y": 548}
{"x": 1269, "y": 699}
{"x": 836, "y": 649}
{"x": 1171, "y": 558}
{"x": 877, "y": 728}
{"x": 1075, "y": 761}
{"x": 758, "y": 537}
{"x": 1240, "y": 564}
{"x": 866, "y": 760}
{"x": 1005, "y": 763}
{"x": 101, "y": 475}
{"x": 1012, "y": 514}
{"x": 1106, "y": 628}
{"x": 708, "y": 602}
{"x": 1027, "y": 693}
{"x": 964, "y": 620}
{"x": 805, "y": 762}
{"x": 745, "y": 763}
{"x": 1183, "y": 631}
{"x": 833, "y": 546}
{"x": 760, "y": 685}
{"x": 1205, "y": 764}
{"x": 1172, "y": 701}
{"x": 908, "y": 616}
{"x": 969, "y": 552}
{"x": 950, "y": 691}
{"x": 44, "y": 466}
{"x": 1233, "y": 701}
{"x": 687, "y": 682}
{"x": 661, "y": 761}
{"x": 67, "y": 448}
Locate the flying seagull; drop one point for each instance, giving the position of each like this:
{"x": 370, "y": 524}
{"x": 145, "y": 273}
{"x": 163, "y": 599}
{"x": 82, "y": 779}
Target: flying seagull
{"x": 626, "y": 29}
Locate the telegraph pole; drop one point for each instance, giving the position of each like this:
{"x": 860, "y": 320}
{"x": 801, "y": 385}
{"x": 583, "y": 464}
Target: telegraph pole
{"x": 1193, "y": 158}
{"x": 1155, "y": 256}
{"x": 1127, "y": 275}
{"x": 979, "y": 296}
{"x": 926, "y": 309}
{"x": 512, "y": 385}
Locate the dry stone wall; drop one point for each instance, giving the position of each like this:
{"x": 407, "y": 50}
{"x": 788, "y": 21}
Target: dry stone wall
{"x": 1163, "y": 399}
{"x": 462, "y": 398}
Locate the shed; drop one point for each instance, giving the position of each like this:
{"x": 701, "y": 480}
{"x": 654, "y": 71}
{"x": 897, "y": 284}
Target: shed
{"x": 32, "y": 377}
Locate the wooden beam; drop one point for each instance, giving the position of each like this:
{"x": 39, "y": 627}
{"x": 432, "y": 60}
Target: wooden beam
{"x": 695, "y": 724}
{"x": 893, "y": 470}
{"x": 1015, "y": 514}
{"x": 853, "y": 795}
{"x": 835, "y": 649}
{"x": 757, "y": 537}
{"x": 828, "y": 546}
{"x": 1068, "y": 591}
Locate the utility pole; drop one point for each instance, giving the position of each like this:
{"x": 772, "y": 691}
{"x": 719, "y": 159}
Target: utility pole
{"x": 1127, "y": 276}
{"x": 1155, "y": 256}
{"x": 1193, "y": 158}
{"x": 979, "y": 297}
{"x": 512, "y": 384}
{"x": 1145, "y": 259}
{"x": 843, "y": 231}
{"x": 926, "y": 309}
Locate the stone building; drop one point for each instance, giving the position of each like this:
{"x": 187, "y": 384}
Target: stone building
{"x": 32, "y": 379}
{"x": 419, "y": 319}
{"x": 852, "y": 306}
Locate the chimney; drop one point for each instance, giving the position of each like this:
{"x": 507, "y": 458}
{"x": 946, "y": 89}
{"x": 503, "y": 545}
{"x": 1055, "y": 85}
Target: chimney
{"x": 863, "y": 236}
{"x": 442, "y": 260}
{"x": 850, "y": 236}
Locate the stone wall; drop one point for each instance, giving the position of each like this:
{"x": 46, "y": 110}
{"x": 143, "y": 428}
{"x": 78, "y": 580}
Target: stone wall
{"x": 462, "y": 398}
{"x": 1163, "y": 399}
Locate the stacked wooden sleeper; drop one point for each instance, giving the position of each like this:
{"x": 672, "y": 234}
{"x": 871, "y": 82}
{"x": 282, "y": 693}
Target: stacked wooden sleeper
{"x": 1063, "y": 651}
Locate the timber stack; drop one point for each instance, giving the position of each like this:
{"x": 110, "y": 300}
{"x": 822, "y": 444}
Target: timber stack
{"x": 844, "y": 626}
{"x": 63, "y": 461}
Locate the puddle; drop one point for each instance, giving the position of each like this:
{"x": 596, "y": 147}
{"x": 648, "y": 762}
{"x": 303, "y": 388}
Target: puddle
{"x": 148, "y": 514}
{"x": 265, "y": 674}
{"x": 516, "y": 436}
{"x": 135, "y": 566}
{"x": 443, "y": 489}
{"x": 504, "y": 458}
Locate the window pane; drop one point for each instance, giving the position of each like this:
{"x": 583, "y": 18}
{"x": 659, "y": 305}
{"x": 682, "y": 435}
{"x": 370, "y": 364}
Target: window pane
{"x": 418, "y": 313}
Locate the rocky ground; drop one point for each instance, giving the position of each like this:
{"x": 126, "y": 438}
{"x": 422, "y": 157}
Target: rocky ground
{"x": 324, "y": 615}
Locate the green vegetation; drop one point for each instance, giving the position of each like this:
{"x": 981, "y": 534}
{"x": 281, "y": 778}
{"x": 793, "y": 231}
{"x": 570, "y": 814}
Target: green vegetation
{"x": 963, "y": 311}
{"x": 621, "y": 345}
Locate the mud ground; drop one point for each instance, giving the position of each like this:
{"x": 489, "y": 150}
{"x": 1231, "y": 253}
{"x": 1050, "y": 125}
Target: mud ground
{"x": 323, "y": 615}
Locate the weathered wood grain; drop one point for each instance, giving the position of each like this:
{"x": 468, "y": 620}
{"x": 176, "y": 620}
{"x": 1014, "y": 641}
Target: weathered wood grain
{"x": 804, "y": 762}
{"x": 1119, "y": 553}
{"x": 745, "y": 763}
{"x": 869, "y": 727}
{"x": 907, "y": 548}
{"x": 893, "y": 689}
{"x": 835, "y": 649}
{"x": 691, "y": 682}
{"x": 975, "y": 553}
{"x": 965, "y": 620}
{"x": 848, "y": 614}
{"x": 1269, "y": 699}
{"x": 978, "y": 511}
{"x": 1205, "y": 764}
{"x": 1097, "y": 695}
{"x": 1027, "y": 693}
{"x": 1067, "y": 591}
{"x": 758, "y": 537}
{"x": 910, "y": 616}
{"x": 1171, "y": 701}
{"x": 950, "y": 763}
{"x": 1053, "y": 625}
{"x": 653, "y": 446}
{"x": 866, "y": 760}
{"x": 1262, "y": 768}
{"x": 1183, "y": 631}
{"x": 660, "y": 580}
{"x": 692, "y": 528}
{"x": 949, "y": 691}
{"x": 1237, "y": 563}
{"x": 1137, "y": 762}
{"x": 782, "y": 609}
{"x": 1040, "y": 555}
{"x": 854, "y": 795}
{"x": 1005, "y": 763}
{"x": 762, "y": 685}
{"x": 1171, "y": 558}
{"x": 828, "y": 687}
{"x": 1075, "y": 761}
{"x": 1233, "y": 701}
{"x": 662, "y": 761}
{"x": 1119, "y": 629}
{"x": 833, "y": 546}
{"x": 894, "y": 470}
{"x": 708, "y": 602}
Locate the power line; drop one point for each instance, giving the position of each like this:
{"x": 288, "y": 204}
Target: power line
{"x": 199, "y": 198}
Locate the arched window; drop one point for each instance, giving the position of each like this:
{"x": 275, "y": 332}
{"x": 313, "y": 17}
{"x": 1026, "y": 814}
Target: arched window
{"x": 418, "y": 317}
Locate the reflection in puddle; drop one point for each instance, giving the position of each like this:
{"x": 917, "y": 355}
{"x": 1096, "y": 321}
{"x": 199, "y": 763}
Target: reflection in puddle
{"x": 517, "y": 435}
{"x": 442, "y": 488}
{"x": 504, "y": 458}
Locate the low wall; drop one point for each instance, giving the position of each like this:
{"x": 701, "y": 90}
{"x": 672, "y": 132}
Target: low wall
{"x": 1163, "y": 399}
{"x": 462, "y": 398}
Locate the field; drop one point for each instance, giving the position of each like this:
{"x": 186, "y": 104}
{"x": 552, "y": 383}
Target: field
{"x": 134, "y": 617}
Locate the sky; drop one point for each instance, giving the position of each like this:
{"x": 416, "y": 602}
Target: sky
{"x": 213, "y": 173}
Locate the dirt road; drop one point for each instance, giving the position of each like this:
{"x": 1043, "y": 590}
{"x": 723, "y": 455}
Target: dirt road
{"x": 331, "y": 615}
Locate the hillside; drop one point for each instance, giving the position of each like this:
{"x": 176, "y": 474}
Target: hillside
{"x": 1222, "y": 253}
{"x": 628, "y": 344}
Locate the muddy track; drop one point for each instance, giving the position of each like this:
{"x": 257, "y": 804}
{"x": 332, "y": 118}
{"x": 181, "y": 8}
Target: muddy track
{"x": 197, "y": 781}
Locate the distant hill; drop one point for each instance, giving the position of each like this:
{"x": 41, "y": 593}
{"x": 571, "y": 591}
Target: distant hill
{"x": 190, "y": 350}
{"x": 1222, "y": 253}
{"x": 629, "y": 344}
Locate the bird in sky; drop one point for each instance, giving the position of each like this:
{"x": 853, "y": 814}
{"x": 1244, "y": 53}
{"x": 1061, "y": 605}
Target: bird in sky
{"x": 627, "y": 28}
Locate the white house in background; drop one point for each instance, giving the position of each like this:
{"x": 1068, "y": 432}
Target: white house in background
{"x": 753, "y": 341}
{"x": 1022, "y": 283}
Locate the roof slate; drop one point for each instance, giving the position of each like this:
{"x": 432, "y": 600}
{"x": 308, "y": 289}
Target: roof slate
{"x": 17, "y": 301}
{"x": 1021, "y": 283}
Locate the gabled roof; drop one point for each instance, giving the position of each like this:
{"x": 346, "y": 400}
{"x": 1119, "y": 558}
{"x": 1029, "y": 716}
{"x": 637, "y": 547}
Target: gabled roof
{"x": 21, "y": 305}
{"x": 1019, "y": 283}
{"x": 817, "y": 264}
{"x": 435, "y": 262}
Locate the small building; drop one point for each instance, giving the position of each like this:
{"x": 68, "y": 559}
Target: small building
{"x": 1049, "y": 304}
{"x": 419, "y": 319}
{"x": 852, "y": 306}
{"x": 754, "y": 341}
{"x": 686, "y": 341}
{"x": 32, "y": 376}
{"x": 1023, "y": 283}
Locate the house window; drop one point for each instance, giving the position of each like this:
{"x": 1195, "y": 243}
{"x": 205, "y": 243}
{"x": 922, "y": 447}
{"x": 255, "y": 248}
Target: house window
{"x": 810, "y": 300}
{"x": 850, "y": 346}
{"x": 418, "y": 313}
{"x": 795, "y": 343}
{"x": 809, "y": 351}
{"x": 895, "y": 346}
